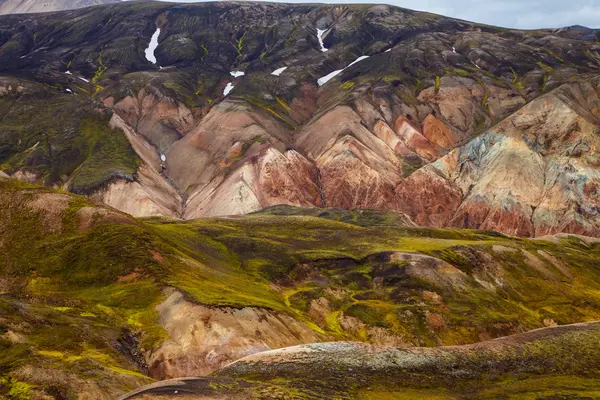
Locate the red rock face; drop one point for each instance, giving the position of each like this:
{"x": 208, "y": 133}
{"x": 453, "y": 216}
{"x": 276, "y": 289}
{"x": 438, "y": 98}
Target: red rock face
{"x": 349, "y": 180}
{"x": 288, "y": 178}
{"x": 514, "y": 221}
{"x": 428, "y": 199}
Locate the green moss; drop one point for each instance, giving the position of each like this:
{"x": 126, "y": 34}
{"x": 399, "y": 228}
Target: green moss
{"x": 19, "y": 390}
{"x": 437, "y": 84}
{"x": 347, "y": 85}
{"x": 100, "y": 70}
{"x": 205, "y": 49}
{"x": 515, "y": 76}
{"x": 109, "y": 155}
{"x": 200, "y": 88}
{"x": 486, "y": 95}
{"x": 458, "y": 72}
{"x": 550, "y": 52}
{"x": 240, "y": 45}
{"x": 295, "y": 26}
{"x": 12, "y": 355}
{"x": 367, "y": 314}
{"x": 547, "y": 69}
{"x": 283, "y": 259}
{"x": 543, "y": 81}
{"x": 279, "y": 113}
{"x": 479, "y": 123}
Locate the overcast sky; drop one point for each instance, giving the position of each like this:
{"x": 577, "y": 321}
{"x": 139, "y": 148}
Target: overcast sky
{"x": 524, "y": 14}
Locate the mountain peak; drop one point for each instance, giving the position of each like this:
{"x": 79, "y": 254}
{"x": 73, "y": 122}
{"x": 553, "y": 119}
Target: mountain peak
{"x": 40, "y": 6}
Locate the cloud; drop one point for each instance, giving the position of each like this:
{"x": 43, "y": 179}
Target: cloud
{"x": 522, "y": 14}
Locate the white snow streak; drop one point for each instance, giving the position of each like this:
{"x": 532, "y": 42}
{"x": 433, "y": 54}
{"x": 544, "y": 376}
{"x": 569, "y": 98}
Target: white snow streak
{"x": 68, "y": 73}
{"x": 327, "y": 78}
{"x": 278, "y": 71}
{"x": 163, "y": 158}
{"x": 237, "y": 74}
{"x": 454, "y": 50}
{"x": 388, "y": 50}
{"x": 83, "y": 79}
{"x": 357, "y": 60}
{"x": 320, "y": 33}
{"x": 152, "y": 46}
{"x": 69, "y": 91}
{"x": 323, "y": 80}
{"x": 228, "y": 89}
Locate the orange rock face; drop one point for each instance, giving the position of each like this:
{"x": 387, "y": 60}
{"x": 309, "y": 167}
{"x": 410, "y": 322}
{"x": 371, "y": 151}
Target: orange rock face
{"x": 438, "y": 133}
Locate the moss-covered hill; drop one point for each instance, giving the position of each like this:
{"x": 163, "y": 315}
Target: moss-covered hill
{"x": 550, "y": 363}
{"x": 81, "y": 283}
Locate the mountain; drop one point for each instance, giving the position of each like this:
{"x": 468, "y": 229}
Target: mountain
{"x": 441, "y": 122}
{"x": 296, "y": 201}
{"x": 97, "y": 303}
{"x": 37, "y": 6}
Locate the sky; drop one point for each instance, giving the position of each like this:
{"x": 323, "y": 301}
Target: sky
{"x": 522, "y": 14}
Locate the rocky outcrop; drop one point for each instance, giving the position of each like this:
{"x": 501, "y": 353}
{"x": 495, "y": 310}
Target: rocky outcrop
{"x": 203, "y": 339}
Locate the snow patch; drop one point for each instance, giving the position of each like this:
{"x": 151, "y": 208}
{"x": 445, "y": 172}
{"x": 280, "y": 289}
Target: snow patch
{"x": 83, "y": 79}
{"x": 68, "y": 73}
{"x": 69, "y": 91}
{"x": 388, "y": 50}
{"x": 163, "y": 158}
{"x": 357, "y": 60}
{"x": 228, "y": 89}
{"x": 278, "y": 71}
{"x": 237, "y": 74}
{"x": 152, "y": 46}
{"x": 320, "y": 33}
{"x": 323, "y": 80}
{"x": 454, "y": 50}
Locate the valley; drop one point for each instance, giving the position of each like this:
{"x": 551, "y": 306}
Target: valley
{"x": 237, "y": 200}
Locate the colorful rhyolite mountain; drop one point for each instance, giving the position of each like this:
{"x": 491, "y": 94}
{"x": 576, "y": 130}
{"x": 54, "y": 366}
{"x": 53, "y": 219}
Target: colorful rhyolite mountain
{"x": 453, "y": 123}
{"x": 390, "y": 129}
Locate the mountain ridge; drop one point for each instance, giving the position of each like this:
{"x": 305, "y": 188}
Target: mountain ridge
{"x": 36, "y": 6}
{"x": 406, "y": 121}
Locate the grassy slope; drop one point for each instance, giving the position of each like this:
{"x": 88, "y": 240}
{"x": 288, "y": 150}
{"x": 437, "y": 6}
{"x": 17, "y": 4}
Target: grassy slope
{"x": 39, "y": 134}
{"x": 95, "y": 284}
{"x": 552, "y": 363}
